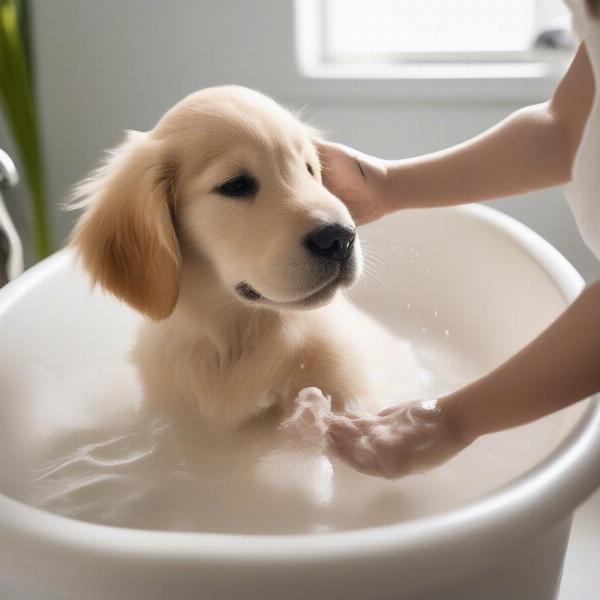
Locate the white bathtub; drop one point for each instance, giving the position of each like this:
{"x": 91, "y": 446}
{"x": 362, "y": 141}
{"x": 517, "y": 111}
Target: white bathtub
{"x": 470, "y": 276}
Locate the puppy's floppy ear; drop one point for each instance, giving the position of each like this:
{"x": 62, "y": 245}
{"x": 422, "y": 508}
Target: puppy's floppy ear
{"x": 126, "y": 236}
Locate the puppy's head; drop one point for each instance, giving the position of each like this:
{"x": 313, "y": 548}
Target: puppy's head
{"x": 229, "y": 179}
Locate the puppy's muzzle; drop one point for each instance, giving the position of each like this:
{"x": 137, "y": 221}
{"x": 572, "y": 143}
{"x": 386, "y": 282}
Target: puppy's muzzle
{"x": 333, "y": 242}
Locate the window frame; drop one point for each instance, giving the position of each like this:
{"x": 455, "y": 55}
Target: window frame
{"x": 527, "y": 63}
{"x": 403, "y": 58}
{"x": 518, "y": 81}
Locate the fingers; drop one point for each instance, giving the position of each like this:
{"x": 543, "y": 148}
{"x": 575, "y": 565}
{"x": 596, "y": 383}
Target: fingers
{"x": 342, "y": 428}
{"x": 322, "y": 151}
{"x": 337, "y": 159}
{"x": 335, "y": 417}
{"x": 325, "y": 147}
{"x": 355, "y": 442}
{"x": 360, "y": 454}
{"x": 351, "y": 447}
{"x": 374, "y": 446}
{"x": 327, "y": 152}
{"x": 389, "y": 410}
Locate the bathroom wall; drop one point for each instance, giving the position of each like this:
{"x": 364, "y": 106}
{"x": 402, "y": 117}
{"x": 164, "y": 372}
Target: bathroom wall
{"x": 103, "y": 67}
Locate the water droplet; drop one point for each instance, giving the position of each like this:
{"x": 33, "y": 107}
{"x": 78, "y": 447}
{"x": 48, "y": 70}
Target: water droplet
{"x": 446, "y": 332}
{"x": 435, "y": 313}
{"x": 408, "y": 305}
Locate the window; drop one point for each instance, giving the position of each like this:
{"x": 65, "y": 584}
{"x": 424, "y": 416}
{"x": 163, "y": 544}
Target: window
{"x": 412, "y": 35}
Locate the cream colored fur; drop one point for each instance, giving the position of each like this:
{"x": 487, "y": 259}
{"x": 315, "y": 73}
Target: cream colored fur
{"x": 157, "y": 234}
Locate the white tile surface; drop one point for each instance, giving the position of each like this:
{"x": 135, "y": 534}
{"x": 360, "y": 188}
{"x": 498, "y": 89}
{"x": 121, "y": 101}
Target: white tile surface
{"x": 581, "y": 577}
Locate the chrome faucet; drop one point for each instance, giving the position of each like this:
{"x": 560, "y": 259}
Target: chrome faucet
{"x": 11, "y": 250}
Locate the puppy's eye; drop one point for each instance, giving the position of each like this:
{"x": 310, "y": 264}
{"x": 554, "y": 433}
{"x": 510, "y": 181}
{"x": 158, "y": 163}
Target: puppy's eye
{"x": 310, "y": 169}
{"x": 241, "y": 186}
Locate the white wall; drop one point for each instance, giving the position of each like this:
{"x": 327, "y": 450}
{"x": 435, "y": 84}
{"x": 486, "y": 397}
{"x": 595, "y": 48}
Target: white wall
{"x": 105, "y": 66}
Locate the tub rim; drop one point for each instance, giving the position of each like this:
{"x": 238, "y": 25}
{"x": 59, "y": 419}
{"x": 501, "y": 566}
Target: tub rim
{"x": 541, "y": 496}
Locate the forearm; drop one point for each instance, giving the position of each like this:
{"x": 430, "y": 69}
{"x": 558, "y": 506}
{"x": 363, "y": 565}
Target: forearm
{"x": 558, "y": 368}
{"x": 533, "y": 148}
{"x": 525, "y": 152}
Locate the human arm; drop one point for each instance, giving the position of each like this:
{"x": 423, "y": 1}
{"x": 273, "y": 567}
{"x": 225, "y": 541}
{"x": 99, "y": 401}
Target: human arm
{"x": 558, "y": 368}
{"x": 531, "y": 149}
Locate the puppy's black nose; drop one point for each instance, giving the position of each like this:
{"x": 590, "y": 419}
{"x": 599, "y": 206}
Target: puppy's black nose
{"x": 333, "y": 242}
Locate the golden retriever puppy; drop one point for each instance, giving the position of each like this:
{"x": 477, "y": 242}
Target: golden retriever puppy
{"x": 215, "y": 225}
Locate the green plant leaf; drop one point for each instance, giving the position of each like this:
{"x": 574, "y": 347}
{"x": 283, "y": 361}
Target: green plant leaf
{"x": 19, "y": 109}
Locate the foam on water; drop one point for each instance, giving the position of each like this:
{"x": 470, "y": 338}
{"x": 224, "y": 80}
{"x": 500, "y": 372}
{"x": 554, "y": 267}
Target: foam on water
{"x": 94, "y": 451}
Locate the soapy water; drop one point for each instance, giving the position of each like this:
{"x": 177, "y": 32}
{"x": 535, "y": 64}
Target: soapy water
{"x": 78, "y": 440}
{"x": 96, "y": 452}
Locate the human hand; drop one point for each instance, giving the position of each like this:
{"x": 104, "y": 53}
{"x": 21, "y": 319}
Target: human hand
{"x": 359, "y": 180}
{"x": 400, "y": 440}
